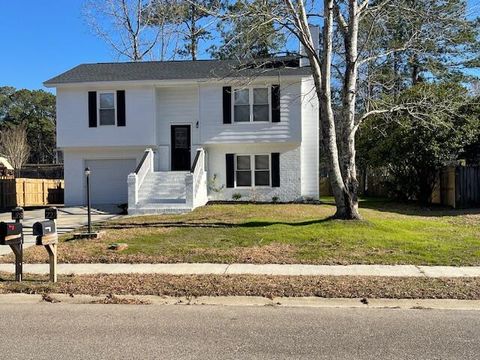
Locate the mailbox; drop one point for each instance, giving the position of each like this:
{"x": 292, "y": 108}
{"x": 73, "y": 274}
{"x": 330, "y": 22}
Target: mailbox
{"x": 43, "y": 228}
{"x": 10, "y": 233}
{"x": 17, "y": 213}
{"x": 46, "y": 232}
{"x": 51, "y": 213}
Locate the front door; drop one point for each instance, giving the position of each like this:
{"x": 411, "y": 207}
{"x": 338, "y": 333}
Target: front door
{"x": 180, "y": 147}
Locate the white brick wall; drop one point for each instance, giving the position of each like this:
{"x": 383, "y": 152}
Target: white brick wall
{"x": 290, "y": 172}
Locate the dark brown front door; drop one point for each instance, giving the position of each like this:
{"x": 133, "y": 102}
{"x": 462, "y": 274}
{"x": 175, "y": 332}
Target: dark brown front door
{"x": 180, "y": 147}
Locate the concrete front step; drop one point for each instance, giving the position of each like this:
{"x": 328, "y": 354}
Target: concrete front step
{"x": 164, "y": 189}
{"x": 153, "y": 210}
{"x": 160, "y": 201}
{"x": 162, "y": 193}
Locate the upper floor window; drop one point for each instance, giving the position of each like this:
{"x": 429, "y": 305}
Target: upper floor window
{"x": 251, "y": 105}
{"x": 106, "y": 109}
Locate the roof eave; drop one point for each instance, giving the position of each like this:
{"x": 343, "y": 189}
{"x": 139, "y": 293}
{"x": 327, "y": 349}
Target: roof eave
{"x": 50, "y": 84}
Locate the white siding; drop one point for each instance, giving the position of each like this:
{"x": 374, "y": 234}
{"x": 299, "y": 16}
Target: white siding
{"x": 213, "y": 131}
{"x": 72, "y": 119}
{"x": 310, "y": 140}
{"x": 175, "y": 106}
{"x": 151, "y": 111}
{"x": 74, "y": 166}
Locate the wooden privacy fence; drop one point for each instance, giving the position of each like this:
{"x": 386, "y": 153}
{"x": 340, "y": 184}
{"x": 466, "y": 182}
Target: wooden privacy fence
{"x": 456, "y": 186}
{"x": 30, "y": 192}
{"x": 467, "y": 186}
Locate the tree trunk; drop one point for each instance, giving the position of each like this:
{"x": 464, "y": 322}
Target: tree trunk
{"x": 341, "y": 155}
{"x": 193, "y": 34}
{"x": 327, "y": 118}
{"x": 347, "y": 121}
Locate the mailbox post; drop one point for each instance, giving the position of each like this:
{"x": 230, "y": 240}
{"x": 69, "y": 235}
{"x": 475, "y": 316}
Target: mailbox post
{"x": 15, "y": 235}
{"x": 46, "y": 233}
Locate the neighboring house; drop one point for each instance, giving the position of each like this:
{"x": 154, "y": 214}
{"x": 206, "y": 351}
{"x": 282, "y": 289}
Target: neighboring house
{"x": 168, "y": 136}
{"x": 6, "y": 169}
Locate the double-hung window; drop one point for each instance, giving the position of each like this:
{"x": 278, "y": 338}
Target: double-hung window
{"x": 251, "y": 105}
{"x": 252, "y": 170}
{"x": 106, "y": 108}
{"x": 262, "y": 170}
{"x": 244, "y": 170}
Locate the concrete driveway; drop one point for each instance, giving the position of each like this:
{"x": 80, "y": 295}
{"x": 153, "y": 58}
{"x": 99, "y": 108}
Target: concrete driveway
{"x": 69, "y": 219}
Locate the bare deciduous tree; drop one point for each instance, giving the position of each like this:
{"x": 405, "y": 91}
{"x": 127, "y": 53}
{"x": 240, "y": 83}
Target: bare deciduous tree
{"x": 352, "y": 39}
{"x": 125, "y": 25}
{"x": 14, "y": 146}
{"x": 188, "y": 22}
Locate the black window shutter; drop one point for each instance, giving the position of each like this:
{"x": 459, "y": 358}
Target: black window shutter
{"x": 92, "y": 109}
{"x": 275, "y": 169}
{"x": 230, "y": 167}
{"x": 227, "y": 104}
{"x": 275, "y": 103}
{"x": 121, "y": 108}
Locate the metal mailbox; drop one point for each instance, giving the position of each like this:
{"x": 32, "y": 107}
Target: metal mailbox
{"x": 42, "y": 228}
{"x": 10, "y": 233}
{"x": 46, "y": 232}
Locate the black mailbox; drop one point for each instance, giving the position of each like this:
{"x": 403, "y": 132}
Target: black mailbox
{"x": 10, "y": 233}
{"x": 17, "y": 213}
{"x": 43, "y": 228}
{"x": 51, "y": 213}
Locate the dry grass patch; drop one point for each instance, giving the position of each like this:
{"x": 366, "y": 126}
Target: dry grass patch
{"x": 249, "y": 285}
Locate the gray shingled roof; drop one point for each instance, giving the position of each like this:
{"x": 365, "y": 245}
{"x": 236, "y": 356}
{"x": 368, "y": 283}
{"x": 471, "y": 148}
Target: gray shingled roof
{"x": 178, "y": 70}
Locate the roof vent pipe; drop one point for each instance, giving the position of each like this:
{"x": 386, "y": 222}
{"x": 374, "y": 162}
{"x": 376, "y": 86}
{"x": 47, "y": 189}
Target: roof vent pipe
{"x": 315, "y": 31}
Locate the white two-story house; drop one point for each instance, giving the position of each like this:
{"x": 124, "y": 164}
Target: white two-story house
{"x": 170, "y": 136}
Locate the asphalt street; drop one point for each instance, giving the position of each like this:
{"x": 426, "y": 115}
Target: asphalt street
{"x": 66, "y": 331}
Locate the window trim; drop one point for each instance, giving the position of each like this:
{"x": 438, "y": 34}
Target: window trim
{"x": 99, "y": 93}
{"x": 252, "y": 171}
{"x": 250, "y": 103}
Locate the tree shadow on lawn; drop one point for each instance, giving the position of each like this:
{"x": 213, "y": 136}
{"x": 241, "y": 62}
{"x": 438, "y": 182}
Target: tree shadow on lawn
{"x": 221, "y": 225}
{"x": 414, "y": 209}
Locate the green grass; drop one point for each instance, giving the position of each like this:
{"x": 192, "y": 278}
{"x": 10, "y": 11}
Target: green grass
{"x": 389, "y": 234}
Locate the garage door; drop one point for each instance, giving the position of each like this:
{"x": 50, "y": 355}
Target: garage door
{"x": 108, "y": 180}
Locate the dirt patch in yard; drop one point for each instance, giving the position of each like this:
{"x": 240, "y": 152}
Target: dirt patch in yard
{"x": 268, "y": 254}
{"x": 95, "y": 251}
{"x": 249, "y": 285}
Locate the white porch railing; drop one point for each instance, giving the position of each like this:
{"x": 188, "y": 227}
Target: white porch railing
{"x": 196, "y": 182}
{"x": 135, "y": 179}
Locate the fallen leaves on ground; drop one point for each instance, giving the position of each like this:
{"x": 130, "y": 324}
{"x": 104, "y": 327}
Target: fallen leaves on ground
{"x": 250, "y": 285}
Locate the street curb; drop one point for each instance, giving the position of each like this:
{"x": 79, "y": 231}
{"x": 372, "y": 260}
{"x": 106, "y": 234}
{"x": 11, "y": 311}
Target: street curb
{"x": 311, "y": 302}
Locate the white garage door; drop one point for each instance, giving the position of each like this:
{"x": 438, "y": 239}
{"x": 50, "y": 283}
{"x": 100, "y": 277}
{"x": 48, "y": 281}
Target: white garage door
{"x": 108, "y": 180}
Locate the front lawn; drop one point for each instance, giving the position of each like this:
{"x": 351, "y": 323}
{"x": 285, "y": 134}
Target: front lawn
{"x": 389, "y": 234}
